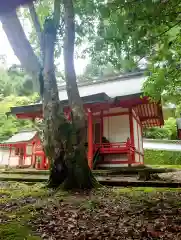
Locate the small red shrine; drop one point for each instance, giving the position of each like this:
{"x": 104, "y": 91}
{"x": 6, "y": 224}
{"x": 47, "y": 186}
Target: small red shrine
{"x": 116, "y": 113}
{"x": 23, "y": 150}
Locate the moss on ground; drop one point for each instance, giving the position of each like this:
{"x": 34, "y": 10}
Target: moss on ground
{"x": 18, "y": 226}
{"x": 19, "y": 190}
{"x": 16, "y": 231}
{"x": 161, "y": 157}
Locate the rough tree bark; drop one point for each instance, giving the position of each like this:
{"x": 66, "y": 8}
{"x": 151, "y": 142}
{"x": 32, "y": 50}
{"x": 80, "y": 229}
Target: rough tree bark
{"x": 79, "y": 174}
{"x": 63, "y": 141}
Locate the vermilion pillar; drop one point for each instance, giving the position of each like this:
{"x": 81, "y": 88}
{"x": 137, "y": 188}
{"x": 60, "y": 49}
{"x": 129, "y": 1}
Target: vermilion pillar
{"x": 33, "y": 155}
{"x": 90, "y": 140}
{"x": 101, "y": 126}
{"x": 131, "y": 133}
{"x": 43, "y": 161}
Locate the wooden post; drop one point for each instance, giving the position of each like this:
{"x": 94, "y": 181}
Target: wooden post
{"x": 33, "y": 155}
{"x": 90, "y": 140}
{"x": 131, "y": 135}
{"x": 43, "y": 161}
{"x": 24, "y": 155}
{"x": 101, "y": 126}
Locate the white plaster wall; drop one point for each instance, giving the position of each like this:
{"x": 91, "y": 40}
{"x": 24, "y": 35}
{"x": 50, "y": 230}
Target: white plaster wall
{"x": 29, "y": 149}
{"x": 28, "y": 160}
{"x": 140, "y": 139}
{"x": 13, "y": 160}
{"x": 136, "y": 141}
{"x": 116, "y": 128}
{"x": 4, "y": 156}
{"x": 137, "y": 157}
{"x": 141, "y": 158}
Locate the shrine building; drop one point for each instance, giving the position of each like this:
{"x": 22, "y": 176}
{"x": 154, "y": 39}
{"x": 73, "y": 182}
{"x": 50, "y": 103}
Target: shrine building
{"x": 116, "y": 113}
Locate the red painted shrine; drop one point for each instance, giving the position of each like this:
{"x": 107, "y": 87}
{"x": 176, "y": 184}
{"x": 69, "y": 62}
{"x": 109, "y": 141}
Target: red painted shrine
{"x": 116, "y": 114}
{"x": 24, "y": 150}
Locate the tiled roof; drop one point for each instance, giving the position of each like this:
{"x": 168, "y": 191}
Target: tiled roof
{"x": 116, "y": 86}
{"x": 24, "y": 136}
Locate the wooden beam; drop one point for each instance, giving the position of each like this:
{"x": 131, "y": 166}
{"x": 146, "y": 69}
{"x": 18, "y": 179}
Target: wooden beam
{"x": 90, "y": 140}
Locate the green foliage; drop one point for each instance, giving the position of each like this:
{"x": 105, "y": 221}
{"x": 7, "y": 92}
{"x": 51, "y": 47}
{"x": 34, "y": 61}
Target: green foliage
{"x": 170, "y": 126}
{"x": 16, "y": 89}
{"x": 125, "y": 32}
{"x": 168, "y": 131}
{"x": 10, "y": 125}
{"x": 93, "y": 71}
{"x": 15, "y": 81}
{"x": 156, "y": 133}
{"x": 122, "y": 33}
{"x": 155, "y": 157}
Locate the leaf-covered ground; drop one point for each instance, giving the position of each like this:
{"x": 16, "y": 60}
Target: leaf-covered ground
{"x": 33, "y": 213}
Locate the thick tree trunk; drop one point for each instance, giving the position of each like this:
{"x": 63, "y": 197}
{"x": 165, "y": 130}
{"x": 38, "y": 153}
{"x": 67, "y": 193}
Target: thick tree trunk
{"x": 63, "y": 141}
{"x": 53, "y": 115}
{"x": 79, "y": 173}
{"x": 20, "y": 44}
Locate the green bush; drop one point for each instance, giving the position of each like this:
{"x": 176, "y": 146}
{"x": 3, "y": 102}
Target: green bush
{"x": 168, "y": 131}
{"x": 155, "y": 157}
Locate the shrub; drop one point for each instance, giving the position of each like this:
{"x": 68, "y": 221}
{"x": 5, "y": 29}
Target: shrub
{"x": 158, "y": 157}
{"x": 168, "y": 131}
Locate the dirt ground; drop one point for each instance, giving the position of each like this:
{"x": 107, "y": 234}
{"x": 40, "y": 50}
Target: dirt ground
{"x": 32, "y": 212}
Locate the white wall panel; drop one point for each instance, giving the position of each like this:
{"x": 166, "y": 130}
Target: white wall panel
{"x": 140, "y": 139}
{"x": 137, "y": 157}
{"x": 116, "y": 128}
{"x": 136, "y": 140}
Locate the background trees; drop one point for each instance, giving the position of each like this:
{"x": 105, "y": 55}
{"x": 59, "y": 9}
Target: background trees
{"x": 10, "y": 124}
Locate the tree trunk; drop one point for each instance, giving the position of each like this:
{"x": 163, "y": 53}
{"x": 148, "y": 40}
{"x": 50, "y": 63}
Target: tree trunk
{"x": 63, "y": 141}
{"x": 20, "y": 44}
{"x": 79, "y": 173}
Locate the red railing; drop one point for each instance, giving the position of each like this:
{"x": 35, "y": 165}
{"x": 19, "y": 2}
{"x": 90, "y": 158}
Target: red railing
{"x": 117, "y": 148}
{"x": 121, "y": 147}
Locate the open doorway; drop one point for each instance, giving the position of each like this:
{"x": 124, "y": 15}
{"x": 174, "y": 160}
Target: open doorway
{"x": 97, "y": 132}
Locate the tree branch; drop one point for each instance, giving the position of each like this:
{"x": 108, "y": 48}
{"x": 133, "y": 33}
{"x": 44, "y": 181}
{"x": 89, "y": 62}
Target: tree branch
{"x": 167, "y": 30}
{"x": 56, "y": 13}
{"x": 20, "y": 44}
{"x": 75, "y": 101}
{"x": 36, "y": 24}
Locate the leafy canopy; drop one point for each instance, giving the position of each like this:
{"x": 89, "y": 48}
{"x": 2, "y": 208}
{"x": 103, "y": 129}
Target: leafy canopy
{"x": 10, "y": 125}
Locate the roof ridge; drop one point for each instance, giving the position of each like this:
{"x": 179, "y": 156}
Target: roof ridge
{"x": 26, "y": 130}
{"x": 119, "y": 77}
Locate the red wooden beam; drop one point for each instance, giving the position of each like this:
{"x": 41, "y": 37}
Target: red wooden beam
{"x": 101, "y": 126}
{"x": 90, "y": 140}
{"x": 131, "y": 132}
